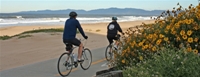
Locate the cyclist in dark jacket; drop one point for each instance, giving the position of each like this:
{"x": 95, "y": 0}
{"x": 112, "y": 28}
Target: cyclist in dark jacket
{"x": 69, "y": 34}
{"x": 112, "y": 30}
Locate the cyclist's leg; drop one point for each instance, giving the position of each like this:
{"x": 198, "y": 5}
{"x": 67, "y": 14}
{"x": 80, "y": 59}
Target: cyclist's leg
{"x": 68, "y": 50}
{"x": 116, "y": 38}
{"x": 110, "y": 39}
{"x": 77, "y": 42}
{"x": 80, "y": 51}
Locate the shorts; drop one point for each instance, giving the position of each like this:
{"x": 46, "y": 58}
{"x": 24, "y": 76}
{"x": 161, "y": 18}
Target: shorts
{"x": 112, "y": 37}
{"x": 74, "y": 41}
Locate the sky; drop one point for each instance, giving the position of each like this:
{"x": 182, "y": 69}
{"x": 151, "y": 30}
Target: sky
{"x": 10, "y": 6}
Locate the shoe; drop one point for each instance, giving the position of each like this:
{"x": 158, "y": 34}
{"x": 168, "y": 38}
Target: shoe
{"x": 115, "y": 46}
{"x": 75, "y": 64}
{"x": 80, "y": 61}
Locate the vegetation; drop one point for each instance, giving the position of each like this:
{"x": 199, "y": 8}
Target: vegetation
{"x": 168, "y": 63}
{"x": 98, "y": 30}
{"x": 23, "y": 34}
{"x": 172, "y": 30}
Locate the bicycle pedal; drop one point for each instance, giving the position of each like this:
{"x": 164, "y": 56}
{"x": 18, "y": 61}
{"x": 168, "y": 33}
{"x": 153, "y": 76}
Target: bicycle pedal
{"x": 75, "y": 64}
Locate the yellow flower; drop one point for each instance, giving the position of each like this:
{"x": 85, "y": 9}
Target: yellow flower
{"x": 178, "y": 38}
{"x": 190, "y": 40}
{"x": 154, "y": 48}
{"x": 168, "y": 27}
{"x": 161, "y": 36}
{"x": 150, "y": 46}
{"x": 146, "y": 46}
{"x": 177, "y": 25}
{"x": 189, "y": 32}
{"x": 158, "y": 42}
{"x": 150, "y": 36}
{"x": 173, "y": 32}
{"x": 140, "y": 44}
{"x": 196, "y": 51}
{"x": 189, "y": 49}
{"x": 195, "y": 27}
{"x": 141, "y": 58}
{"x": 188, "y": 21}
{"x": 155, "y": 35}
{"x": 182, "y": 32}
{"x": 196, "y": 39}
{"x": 184, "y": 37}
{"x": 166, "y": 38}
{"x": 123, "y": 61}
{"x": 166, "y": 31}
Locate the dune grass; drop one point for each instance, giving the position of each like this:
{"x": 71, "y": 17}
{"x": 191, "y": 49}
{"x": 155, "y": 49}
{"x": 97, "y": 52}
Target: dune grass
{"x": 24, "y": 34}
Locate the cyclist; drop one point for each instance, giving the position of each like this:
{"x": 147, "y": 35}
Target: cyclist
{"x": 70, "y": 30}
{"x": 112, "y": 30}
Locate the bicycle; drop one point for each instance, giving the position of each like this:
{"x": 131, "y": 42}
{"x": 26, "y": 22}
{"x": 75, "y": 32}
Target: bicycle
{"x": 111, "y": 50}
{"x": 67, "y": 60}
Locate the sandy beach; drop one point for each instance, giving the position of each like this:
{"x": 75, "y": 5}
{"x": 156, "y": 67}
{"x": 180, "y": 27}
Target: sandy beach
{"x": 44, "y": 46}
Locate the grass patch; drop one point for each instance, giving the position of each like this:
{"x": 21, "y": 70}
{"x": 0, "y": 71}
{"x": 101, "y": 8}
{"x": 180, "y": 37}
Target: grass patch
{"x": 5, "y": 37}
{"x": 98, "y": 30}
{"x": 21, "y": 35}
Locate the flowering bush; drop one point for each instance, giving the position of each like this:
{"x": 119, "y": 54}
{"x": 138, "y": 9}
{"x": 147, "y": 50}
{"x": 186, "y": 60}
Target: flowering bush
{"x": 173, "y": 29}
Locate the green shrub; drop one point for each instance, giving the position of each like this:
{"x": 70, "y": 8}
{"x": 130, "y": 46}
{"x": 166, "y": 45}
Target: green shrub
{"x": 23, "y": 36}
{"x": 5, "y": 37}
{"x": 167, "y": 63}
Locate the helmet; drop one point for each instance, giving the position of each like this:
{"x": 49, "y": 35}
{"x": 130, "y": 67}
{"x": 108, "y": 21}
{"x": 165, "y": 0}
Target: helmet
{"x": 114, "y": 18}
{"x": 72, "y": 14}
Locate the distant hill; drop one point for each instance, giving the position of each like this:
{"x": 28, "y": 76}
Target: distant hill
{"x": 117, "y": 11}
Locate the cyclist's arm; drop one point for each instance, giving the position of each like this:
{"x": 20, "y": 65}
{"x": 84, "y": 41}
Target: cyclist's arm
{"x": 80, "y": 29}
{"x": 119, "y": 28}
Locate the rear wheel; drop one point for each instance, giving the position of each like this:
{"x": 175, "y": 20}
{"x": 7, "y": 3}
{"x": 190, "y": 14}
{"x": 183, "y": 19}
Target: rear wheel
{"x": 87, "y": 57}
{"x": 65, "y": 64}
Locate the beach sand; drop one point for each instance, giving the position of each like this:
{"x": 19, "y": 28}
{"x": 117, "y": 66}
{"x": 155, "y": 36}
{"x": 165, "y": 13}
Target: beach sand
{"x": 45, "y": 46}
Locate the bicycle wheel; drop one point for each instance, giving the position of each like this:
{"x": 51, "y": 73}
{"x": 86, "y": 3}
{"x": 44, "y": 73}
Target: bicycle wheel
{"x": 87, "y": 57}
{"x": 109, "y": 53}
{"x": 120, "y": 47}
{"x": 65, "y": 64}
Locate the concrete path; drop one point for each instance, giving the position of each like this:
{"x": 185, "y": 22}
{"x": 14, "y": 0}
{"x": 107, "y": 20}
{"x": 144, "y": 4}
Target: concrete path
{"x": 49, "y": 68}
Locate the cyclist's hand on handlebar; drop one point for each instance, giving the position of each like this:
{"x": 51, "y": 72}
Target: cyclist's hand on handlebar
{"x": 122, "y": 33}
{"x": 86, "y": 37}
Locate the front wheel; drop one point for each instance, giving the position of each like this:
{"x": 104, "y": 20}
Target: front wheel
{"x": 87, "y": 57}
{"x": 65, "y": 64}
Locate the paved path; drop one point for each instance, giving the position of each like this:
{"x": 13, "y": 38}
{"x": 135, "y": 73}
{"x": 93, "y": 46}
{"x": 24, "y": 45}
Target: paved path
{"x": 49, "y": 68}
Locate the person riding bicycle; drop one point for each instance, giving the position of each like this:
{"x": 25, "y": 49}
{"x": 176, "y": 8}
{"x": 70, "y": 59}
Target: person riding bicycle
{"x": 112, "y": 31}
{"x": 70, "y": 30}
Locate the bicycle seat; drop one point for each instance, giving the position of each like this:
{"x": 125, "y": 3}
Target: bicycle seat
{"x": 68, "y": 46}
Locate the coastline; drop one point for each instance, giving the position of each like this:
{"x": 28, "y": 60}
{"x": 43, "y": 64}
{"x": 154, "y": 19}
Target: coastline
{"x": 88, "y": 27}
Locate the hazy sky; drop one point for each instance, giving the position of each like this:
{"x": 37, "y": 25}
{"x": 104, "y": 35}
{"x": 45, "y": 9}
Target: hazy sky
{"x": 7, "y": 6}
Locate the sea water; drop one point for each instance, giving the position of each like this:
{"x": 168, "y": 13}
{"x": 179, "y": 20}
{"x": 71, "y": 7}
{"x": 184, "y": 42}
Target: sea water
{"x": 59, "y": 19}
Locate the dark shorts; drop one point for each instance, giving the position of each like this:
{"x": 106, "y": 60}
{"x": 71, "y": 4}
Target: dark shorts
{"x": 112, "y": 37}
{"x": 74, "y": 41}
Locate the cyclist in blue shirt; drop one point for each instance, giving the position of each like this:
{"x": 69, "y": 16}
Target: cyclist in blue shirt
{"x": 70, "y": 30}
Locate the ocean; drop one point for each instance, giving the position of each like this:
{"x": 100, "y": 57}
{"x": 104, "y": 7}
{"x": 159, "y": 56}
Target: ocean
{"x": 59, "y": 19}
